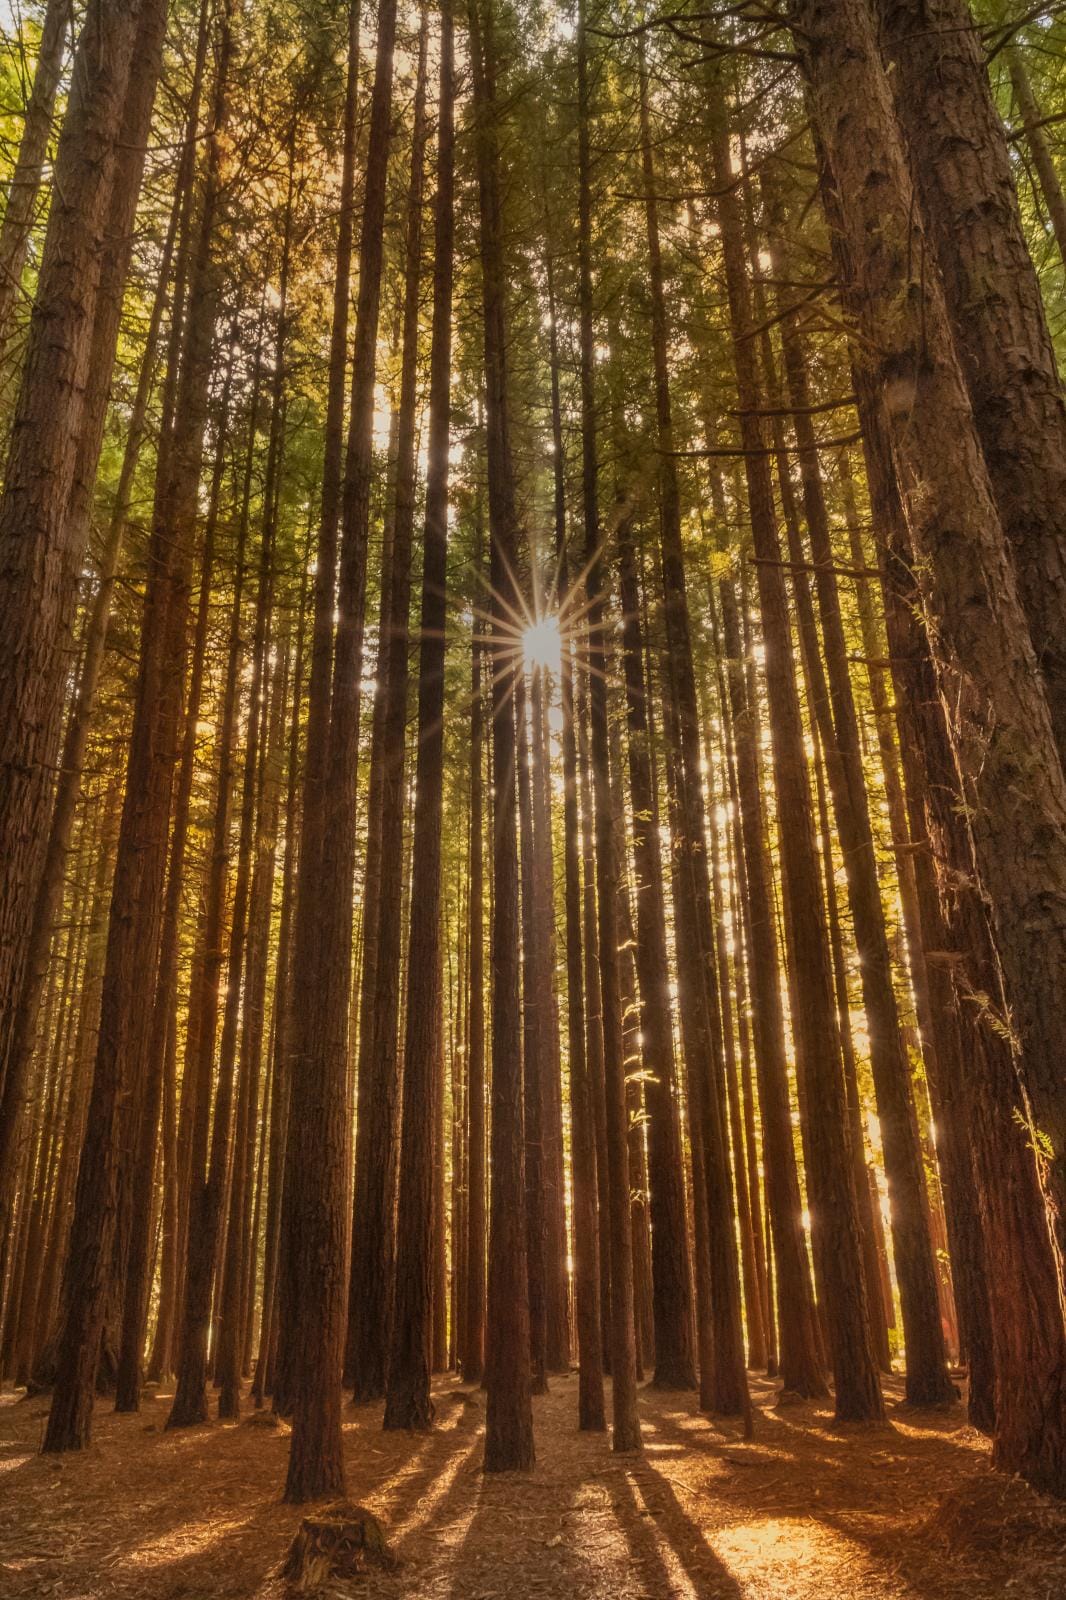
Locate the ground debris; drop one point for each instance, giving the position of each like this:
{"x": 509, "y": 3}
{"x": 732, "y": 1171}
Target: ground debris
{"x": 339, "y": 1541}
{"x": 807, "y": 1512}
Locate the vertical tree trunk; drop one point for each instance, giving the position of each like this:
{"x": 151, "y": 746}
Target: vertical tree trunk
{"x": 1039, "y": 149}
{"x": 534, "y": 1041}
{"x": 1000, "y": 722}
{"x": 729, "y": 1390}
{"x": 799, "y": 1356}
{"x": 111, "y": 263}
{"x": 208, "y": 1153}
{"x": 314, "y": 1221}
{"x": 927, "y": 1381}
{"x": 138, "y": 1267}
{"x": 140, "y": 868}
{"x": 40, "y": 552}
{"x": 407, "y": 1399}
{"x": 556, "y": 1250}
{"x": 25, "y": 182}
{"x": 626, "y": 1424}
{"x": 258, "y": 842}
{"x": 838, "y": 1253}
{"x": 961, "y": 170}
{"x": 1029, "y": 1341}
{"x": 675, "y": 1366}
{"x": 377, "y": 1122}
{"x": 473, "y": 1358}
{"x": 509, "y": 1416}
{"x": 276, "y": 1132}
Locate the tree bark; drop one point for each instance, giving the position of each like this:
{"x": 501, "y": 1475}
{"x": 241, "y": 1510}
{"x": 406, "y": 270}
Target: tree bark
{"x": 1039, "y": 149}
{"x": 626, "y": 1424}
{"x": 25, "y": 182}
{"x": 837, "y": 1245}
{"x": 42, "y": 547}
{"x": 509, "y": 1416}
{"x": 1001, "y": 726}
{"x": 407, "y": 1398}
{"x": 378, "y": 1115}
{"x": 961, "y": 170}
{"x": 141, "y": 862}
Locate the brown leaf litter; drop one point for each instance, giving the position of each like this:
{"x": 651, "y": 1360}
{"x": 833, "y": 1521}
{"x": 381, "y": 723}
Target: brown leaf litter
{"x": 806, "y": 1511}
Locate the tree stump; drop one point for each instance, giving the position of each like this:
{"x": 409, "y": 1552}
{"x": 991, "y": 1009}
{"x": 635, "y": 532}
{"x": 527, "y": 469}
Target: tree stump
{"x": 340, "y": 1541}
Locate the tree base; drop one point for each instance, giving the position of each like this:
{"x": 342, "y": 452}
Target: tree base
{"x": 340, "y": 1541}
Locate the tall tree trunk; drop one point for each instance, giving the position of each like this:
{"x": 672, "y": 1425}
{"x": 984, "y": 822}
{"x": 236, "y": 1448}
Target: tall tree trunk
{"x": 509, "y": 1415}
{"x": 22, "y": 1036}
{"x": 312, "y": 799}
{"x": 377, "y": 1120}
{"x": 729, "y": 1390}
{"x": 473, "y": 1358}
{"x": 927, "y": 1381}
{"x": 141, "y": 863}
{"x": 25, "y": 182}
{"x": 277, "y": 1130}
{"x": 961, "y": 170}
{"x": 837, "y": 1243}
{"x": 534, "y": 1029}
{"x": 1039, "y": 149}
{"x": 557, "y": 1281}
{"x": 626, "y": 1424}
{"x": 407, "y": 1400}
{"x": 55, "y": 444}
{"x": 258, "y": 841}
{"x": 164, "y": 1020}
{"x": 1001, "y": 726}
{"x": 675, "y": 1366}
{"x": 208, "y": 1157}
{"x": 40, "y": 551}
{"x": 1029, "y": 1340}
{"x": 315, "y": 1199}
{"x": 800, "y": 1345}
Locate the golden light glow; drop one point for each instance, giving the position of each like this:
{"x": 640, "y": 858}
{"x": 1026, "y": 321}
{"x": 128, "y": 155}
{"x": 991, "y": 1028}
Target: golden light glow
{"x": 541, "y": 644}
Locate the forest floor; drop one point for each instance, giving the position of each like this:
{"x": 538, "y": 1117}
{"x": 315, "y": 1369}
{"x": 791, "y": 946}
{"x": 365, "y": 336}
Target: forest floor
{"x": 807, "y": 1511}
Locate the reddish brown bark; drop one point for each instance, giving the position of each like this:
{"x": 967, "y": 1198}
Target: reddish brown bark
{"x": 407, "y": 1400}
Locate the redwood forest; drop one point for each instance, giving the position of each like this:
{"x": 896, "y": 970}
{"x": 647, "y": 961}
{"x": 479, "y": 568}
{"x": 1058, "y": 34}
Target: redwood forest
{"x": 532, "y": 799}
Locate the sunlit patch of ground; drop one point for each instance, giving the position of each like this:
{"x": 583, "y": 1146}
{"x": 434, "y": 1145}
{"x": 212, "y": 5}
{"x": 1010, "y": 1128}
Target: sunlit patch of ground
{"x": 806, "y": 1511}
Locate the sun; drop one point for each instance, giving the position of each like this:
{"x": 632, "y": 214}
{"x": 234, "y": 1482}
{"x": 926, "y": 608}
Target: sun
{"x": 541, "y": 644}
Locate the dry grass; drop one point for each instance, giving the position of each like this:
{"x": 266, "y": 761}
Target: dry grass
{"x": 807, "y": 1511}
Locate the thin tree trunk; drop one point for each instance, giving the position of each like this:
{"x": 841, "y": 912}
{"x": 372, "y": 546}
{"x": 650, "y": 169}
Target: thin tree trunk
{"x": 407, "y": 1400}
{"x": 1039, "y": 149}
{"x": 25, "y": 183}
{"x": 729, "y": 1391}
{"x": 534, "y": 1002}
{"x": 138, "y": 1268}
{"x": 837, "y": 1241}
{"x": 626, "y": 1424}
{"x": 675, "y": 1366}
{"x": 315, "y": 1224}
{"x": 509, "y": 1416}
{"x": 473, "y": 1357}
{"x": 377, "y": 1120}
